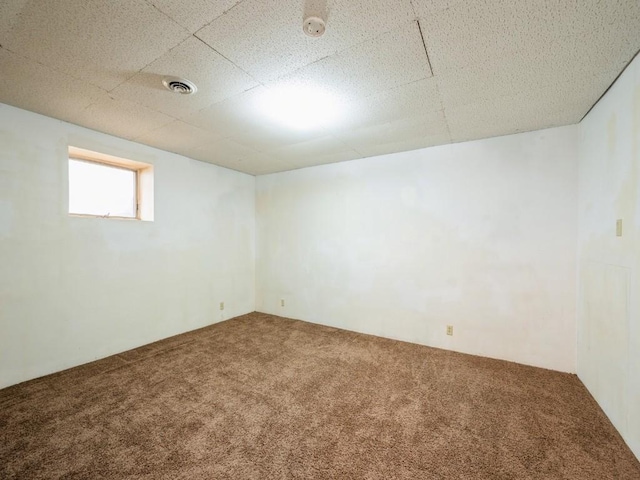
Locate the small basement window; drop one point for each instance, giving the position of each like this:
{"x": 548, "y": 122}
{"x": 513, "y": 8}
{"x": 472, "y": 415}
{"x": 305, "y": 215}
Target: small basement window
{"x": 105, "y": 186}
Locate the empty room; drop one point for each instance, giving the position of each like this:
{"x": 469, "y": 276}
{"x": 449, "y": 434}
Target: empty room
{"x": 320, "y": 239}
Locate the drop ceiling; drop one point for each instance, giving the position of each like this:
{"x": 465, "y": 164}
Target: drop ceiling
{"x": 408, "y": 73}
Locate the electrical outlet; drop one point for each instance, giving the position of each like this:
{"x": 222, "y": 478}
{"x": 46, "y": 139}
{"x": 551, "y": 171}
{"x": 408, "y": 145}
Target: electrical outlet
{"x": 449, "y": 329}
{"x": 282, "y": 302}
{"x": 221, "y": 305}
{"x": 619, "y": 227}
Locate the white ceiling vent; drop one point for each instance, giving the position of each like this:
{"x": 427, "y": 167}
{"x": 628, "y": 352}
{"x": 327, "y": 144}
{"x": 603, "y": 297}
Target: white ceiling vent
{"x": 313, "y": 26}
{"x": 179, "y": 85}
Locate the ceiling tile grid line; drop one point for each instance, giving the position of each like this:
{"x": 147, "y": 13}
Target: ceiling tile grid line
{"x": 444, "y": 114}
{"x": 356, "y": 72}
{"x": 228, "y": 59}
{"x": 276, "y": 46}
{"x": 190, "y": 15}
{"x": 328, "y": 56}
{"x": 424, "y": 44}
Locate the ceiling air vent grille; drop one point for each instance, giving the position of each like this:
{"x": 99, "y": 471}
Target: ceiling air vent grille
{"x": 179, "y": 85}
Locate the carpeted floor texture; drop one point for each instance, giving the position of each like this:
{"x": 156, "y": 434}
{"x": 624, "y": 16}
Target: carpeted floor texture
{"x": 263, "y": 397}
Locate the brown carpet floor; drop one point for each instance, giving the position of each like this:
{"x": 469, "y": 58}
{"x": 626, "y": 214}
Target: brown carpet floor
{"x": 263, "y": 397}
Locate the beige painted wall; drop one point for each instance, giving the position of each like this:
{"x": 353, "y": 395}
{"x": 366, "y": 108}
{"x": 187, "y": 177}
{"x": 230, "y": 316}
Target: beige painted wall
{"x": 609, "y": 266}
{"x": 76, "y": 289}
{"x": 479, "y": 235}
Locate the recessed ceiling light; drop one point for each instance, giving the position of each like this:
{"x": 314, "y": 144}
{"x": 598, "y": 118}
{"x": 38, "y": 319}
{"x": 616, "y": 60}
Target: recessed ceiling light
{"x": 179, "y": 85}
{"x": 300, "y": 107}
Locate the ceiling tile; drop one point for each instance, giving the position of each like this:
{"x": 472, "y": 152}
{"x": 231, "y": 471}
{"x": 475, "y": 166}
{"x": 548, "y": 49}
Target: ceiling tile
{"x": 215, "y": 77}
{"x": 406, "y": 101}
{"x": 121, "y": 118}
{"x": 499, "y": 67}
{"x": 10, "y": 16}
{"x": 484, "y": 120}
{"x": 327, "y": 149}
{"x": 403, "y": 134}
{"x": 392, "y": 59}
{"x": 494, "y": 79}
{"x": 324, "y": 159}
{"x": 176, "y": 136}
{"x": 101, "y": 42}
{"x": 268, "y": 42}
{"x": 545, "y": 107}
{"x": 194, "y": 14}
{"x": 471, "y": 33}
{"x": 262, "y": 164}
{"x": 235, "y": 114}
{"x": 268, "y": 138}
{"x": 424, "y": 8}
{"x": 224, "y": 152}
{"x": 242, "y": 118}
{"x": 34, "y": 87}
{"x": 276, "y": 44}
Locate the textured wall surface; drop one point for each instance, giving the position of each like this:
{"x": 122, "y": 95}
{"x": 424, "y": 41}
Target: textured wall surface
{"x": 609, "y": 283}
{"x": 76, "y": 289}
{"x": 478, "y": 235}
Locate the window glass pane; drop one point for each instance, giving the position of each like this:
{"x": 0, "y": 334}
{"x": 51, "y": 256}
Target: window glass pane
{"x": 98, "y": 189}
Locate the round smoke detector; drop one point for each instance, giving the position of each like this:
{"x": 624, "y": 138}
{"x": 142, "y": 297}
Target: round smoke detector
{"x": 179, "y": 85}
{"x": 313, "y": 26}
